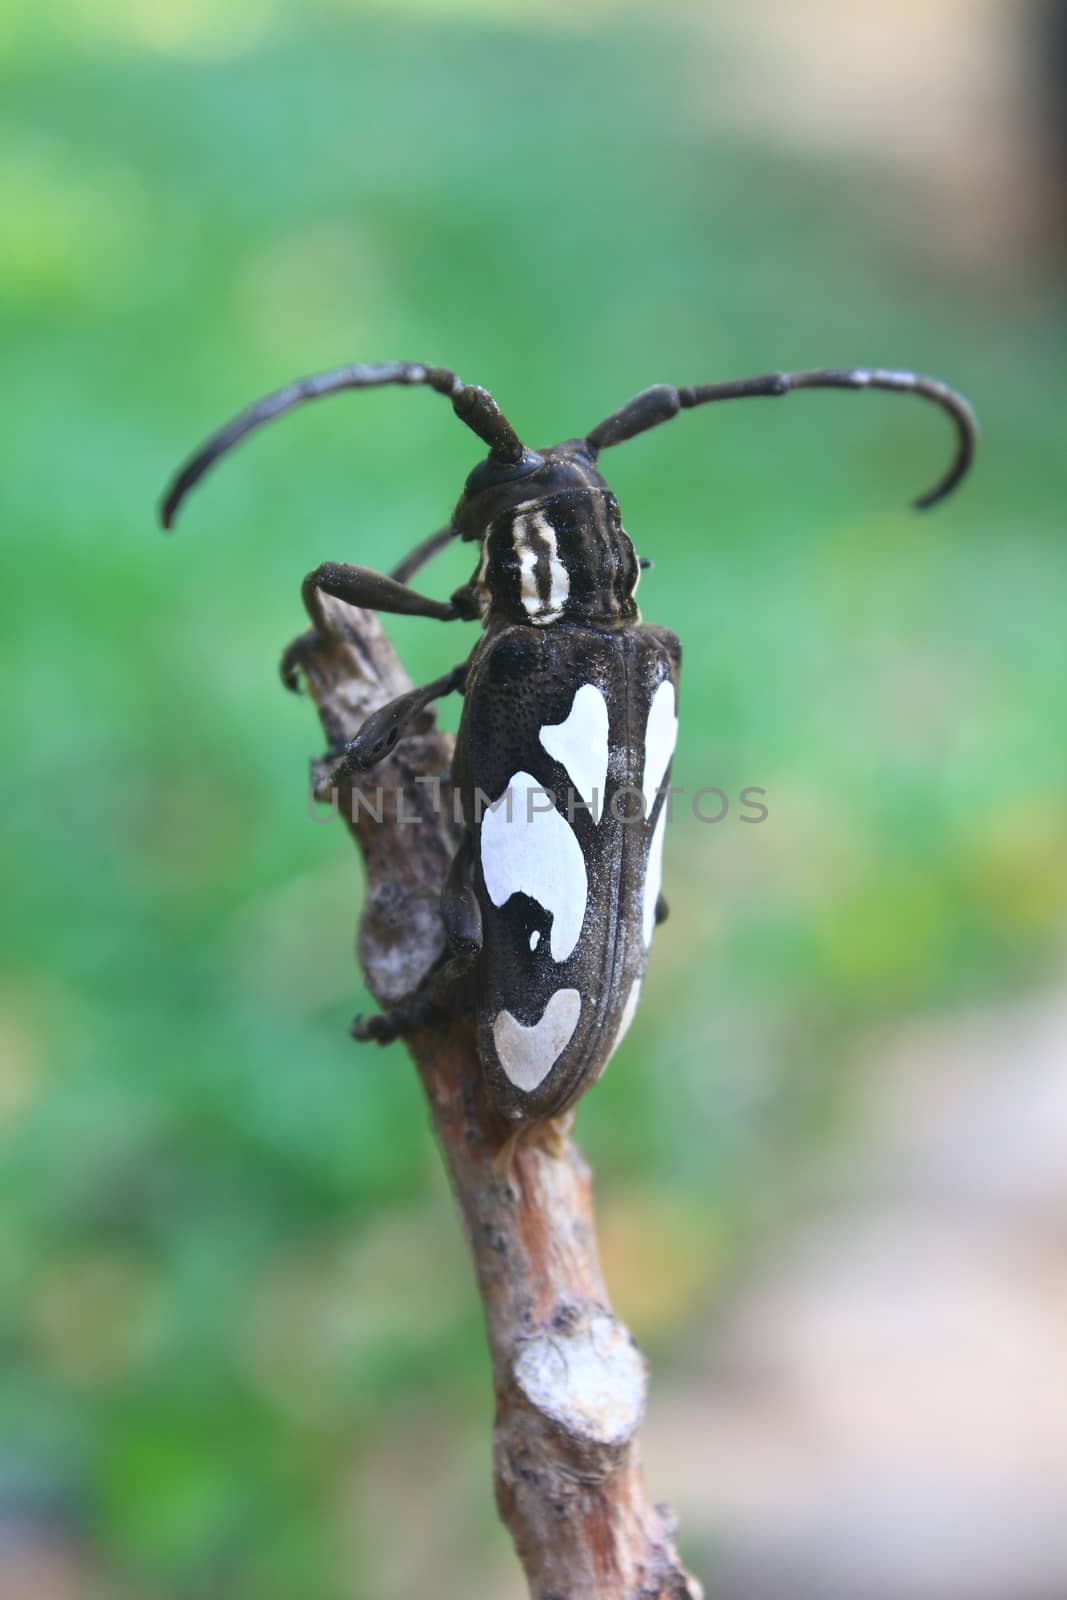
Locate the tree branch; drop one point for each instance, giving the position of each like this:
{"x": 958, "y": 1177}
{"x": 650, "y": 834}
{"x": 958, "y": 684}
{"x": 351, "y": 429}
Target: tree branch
{"x": 568, "y": 1378}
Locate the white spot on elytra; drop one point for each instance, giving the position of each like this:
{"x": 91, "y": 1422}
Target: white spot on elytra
{"x": 528, "y": 1055}
{"x": 535, "y": 938}
{"x": 661, "y": 733}
{"x": 628, "y": 1013}
{"x": 537, "y": 609}
{"x": 534, "y": 851}
{"x": 654, "y": 875}
{"x": 580, "y": 743}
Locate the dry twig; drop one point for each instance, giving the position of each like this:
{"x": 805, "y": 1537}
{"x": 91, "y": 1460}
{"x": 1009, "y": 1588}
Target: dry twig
{"x": 568, "y": 1378}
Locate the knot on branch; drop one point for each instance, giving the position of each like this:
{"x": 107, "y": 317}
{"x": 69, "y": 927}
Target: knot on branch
{"x": 585, "y": 1375}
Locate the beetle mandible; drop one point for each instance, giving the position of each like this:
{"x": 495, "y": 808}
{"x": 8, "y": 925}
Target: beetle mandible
{"x": 548, "y": 907}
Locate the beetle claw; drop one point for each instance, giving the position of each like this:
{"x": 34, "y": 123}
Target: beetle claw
{"x": 376, "y": 1029}
{"x": 295, "y": 659}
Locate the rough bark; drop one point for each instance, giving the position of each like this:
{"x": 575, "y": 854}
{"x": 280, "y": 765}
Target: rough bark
{"x": 569, "y": 1380}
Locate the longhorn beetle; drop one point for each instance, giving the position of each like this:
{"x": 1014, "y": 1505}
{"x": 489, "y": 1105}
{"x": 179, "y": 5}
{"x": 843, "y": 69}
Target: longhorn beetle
{"x": 548, "y": 906}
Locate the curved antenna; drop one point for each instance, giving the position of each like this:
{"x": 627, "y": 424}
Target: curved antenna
{"x": 405, "y": 570}
{"x": 659, "y": 404}
{"x": 474, "y": 406}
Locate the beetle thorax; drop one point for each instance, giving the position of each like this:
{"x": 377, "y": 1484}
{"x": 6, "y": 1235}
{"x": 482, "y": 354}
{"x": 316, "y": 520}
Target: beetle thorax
{"x": 563, "y": 557}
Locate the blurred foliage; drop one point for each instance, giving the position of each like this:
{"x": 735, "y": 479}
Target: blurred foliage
{"x": 229, "y": 1273}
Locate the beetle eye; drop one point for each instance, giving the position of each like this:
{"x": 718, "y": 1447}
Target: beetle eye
{"x": 490, "y": 474}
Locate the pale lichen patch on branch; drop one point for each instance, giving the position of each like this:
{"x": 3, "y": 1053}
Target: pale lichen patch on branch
{"x": 586, "y": 1375}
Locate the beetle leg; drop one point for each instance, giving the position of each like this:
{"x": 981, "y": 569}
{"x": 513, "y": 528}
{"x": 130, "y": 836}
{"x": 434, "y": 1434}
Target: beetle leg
{"x": 434, "y": 999}
{"x": 373, "y": 591}
{"x": 462, "y": 914}
{"x": 294, "y": 657}
{"x": 385, "y": 1026}
{"x": 663, "y": 910}
{"x": 379, "y": 734}
{"x": 361, "y": 586}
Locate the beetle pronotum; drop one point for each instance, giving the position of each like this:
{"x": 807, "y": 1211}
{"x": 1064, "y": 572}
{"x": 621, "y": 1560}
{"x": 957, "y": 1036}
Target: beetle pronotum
{"x": 549, "y": 909}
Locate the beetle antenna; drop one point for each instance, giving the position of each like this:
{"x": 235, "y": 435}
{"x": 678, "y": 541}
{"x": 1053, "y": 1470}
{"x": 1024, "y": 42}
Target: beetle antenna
{"x": 474, "y": 406}
{"x": 661, "y": 403}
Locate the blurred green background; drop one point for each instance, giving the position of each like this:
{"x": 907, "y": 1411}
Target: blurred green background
{"x": 240, "y": 1351}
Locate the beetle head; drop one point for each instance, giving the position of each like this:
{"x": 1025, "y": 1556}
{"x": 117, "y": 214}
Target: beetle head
{"x": 496, "y": 487}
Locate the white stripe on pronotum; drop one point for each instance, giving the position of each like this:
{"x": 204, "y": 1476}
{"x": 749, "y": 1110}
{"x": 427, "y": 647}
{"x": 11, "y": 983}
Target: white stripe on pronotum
{"x": 538, "y": 609}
